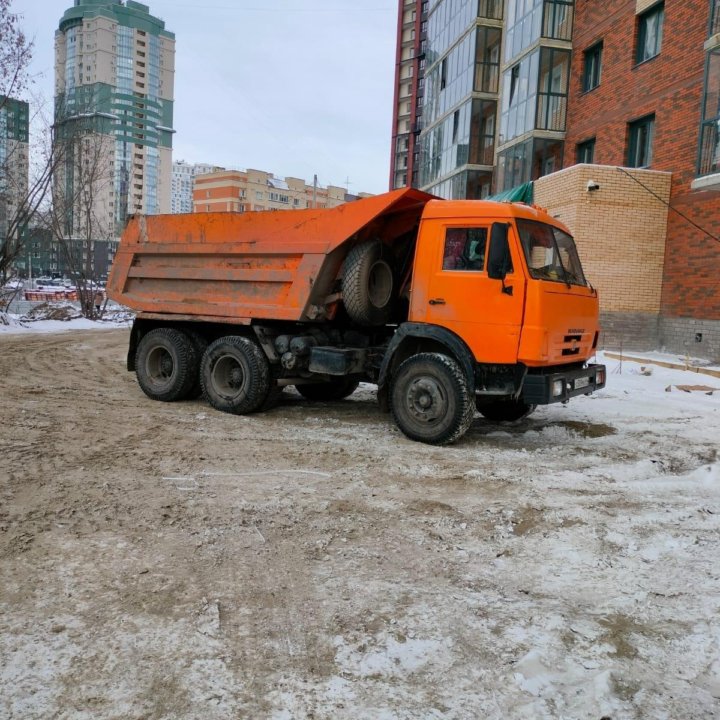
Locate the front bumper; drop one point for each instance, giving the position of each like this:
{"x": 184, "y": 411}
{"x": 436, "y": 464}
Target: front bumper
{"x": 559, "y": 386}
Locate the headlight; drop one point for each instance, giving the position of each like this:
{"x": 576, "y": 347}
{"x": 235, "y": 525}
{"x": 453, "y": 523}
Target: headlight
{"x": 600, "y": 377}
{"x": 558, "y": 387}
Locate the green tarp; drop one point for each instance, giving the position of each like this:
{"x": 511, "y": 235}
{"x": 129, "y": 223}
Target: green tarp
{"x": 521, "y": 193}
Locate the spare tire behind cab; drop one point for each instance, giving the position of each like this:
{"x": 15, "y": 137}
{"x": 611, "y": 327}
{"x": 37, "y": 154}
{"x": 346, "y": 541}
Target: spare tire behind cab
{"x": 368, "y": 283}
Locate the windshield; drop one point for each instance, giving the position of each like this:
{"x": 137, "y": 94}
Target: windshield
{"x": 550, "y": 253}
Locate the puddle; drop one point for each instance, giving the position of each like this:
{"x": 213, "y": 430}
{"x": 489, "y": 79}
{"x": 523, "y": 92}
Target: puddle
{"x": 586, "y": 429}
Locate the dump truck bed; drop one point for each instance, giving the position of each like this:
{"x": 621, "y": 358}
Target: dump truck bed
{"x": 233, "y": 267}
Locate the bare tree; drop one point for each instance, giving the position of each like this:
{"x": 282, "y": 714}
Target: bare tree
{"x": 81, "y": 219}
{"x": 15, "y": 53}
{"x": 19, "y": 196}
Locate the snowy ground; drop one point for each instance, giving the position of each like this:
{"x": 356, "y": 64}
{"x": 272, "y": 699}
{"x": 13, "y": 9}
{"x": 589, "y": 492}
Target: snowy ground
{"x": 166, "y": 561}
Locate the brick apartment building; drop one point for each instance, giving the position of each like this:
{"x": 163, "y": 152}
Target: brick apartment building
{"x": 255, "y": 190}
{"x": 624, "y": 93}
{"x": 645, "y": 92}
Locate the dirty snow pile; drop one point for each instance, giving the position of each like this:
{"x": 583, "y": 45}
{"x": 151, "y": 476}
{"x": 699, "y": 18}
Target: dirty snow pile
{"x": 61, "y": 317}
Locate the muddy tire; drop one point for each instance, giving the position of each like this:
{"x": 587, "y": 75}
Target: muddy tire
{"x": 201, "y": 344}
{"x": 235, "y": 375}
{"x": 430, "y": 399}
{"x": 328, "y": 391}
{"x": 504, "y": 411}
{"x": 166, "y": 364}
{"x": 368, "y": 284}
{"x": 272, "y": 399}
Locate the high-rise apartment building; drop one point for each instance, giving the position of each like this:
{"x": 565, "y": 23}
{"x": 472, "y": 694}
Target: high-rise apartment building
{"x": 183, "y": 180}
{"x": 14, "y": 128}
{"x": 446, "y": 96}
{"x": 256, "y": 190}
{"x": 535, "y": 76}
{"x": 409, "y": 85}
{"x": 114, "y": 77}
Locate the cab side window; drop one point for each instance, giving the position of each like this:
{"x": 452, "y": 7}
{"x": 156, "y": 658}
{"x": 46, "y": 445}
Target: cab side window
{"x": 465, "y": 248}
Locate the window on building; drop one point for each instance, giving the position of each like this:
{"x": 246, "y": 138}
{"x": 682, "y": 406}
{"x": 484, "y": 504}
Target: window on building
{"x": 640, "y": 142}
{"x": 586, "y": 151}
{"x": 487, "y": 59}
{"x": 443, "y": 73}
{"x": 465, "y": 249}
{"x": 514, "y": 77}
{"x": 650, "y": 32}
{"x": 592, "y": 67}
{"x": 558, "y": 19}
{"x": 553, "y": 89}
{"x": 482, "y": 132}
{"x": 492, "y": 9}
{"x": 709, "y": 156}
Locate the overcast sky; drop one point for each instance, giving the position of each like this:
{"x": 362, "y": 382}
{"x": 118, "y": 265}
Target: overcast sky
{"x": 294, "y": 87}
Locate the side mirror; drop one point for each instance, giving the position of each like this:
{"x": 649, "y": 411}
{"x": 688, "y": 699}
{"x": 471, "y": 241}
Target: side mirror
{"x": 499, "y": 262}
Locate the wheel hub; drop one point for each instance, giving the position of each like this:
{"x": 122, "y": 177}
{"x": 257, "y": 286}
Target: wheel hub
{"x": 166, "y": 366}
{"x": 228, "y": 376}
{"x": 425, "y": 399}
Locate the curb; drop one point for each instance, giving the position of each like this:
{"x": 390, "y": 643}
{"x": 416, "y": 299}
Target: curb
{"x": 661, "y": 363}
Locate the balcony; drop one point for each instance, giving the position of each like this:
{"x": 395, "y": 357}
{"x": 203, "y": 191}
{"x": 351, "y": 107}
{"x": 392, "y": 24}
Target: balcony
{"x": 713, "y": 42}
{"x": 709, "y": 165}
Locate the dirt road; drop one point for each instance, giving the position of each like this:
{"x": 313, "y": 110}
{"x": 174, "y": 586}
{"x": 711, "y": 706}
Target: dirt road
{"x": 165, "y": 561}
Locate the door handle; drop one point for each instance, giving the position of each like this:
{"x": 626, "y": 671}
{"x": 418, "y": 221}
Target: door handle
{"x": 437, "y": 301}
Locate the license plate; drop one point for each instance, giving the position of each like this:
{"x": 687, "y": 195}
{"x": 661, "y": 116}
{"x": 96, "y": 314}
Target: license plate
{"x": 581, "y": 382}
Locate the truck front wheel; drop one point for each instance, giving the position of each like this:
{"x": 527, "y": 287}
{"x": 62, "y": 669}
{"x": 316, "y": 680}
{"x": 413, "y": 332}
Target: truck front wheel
{"x": 235, "y": 375}
{"x": 166, "y": 364}
{"x": 430, "y": 399}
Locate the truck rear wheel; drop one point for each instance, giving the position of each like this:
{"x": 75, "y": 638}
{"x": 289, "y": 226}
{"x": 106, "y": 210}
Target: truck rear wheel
{"x": 337, "y": 389}
{"x": 430, "y": 399}
{"x": 368, "y": 284}
{"x": 166, "y": 364}
{"x": 235, "y": 375}
{"x": 504, "y": 410}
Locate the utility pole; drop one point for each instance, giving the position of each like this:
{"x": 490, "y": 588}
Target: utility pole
{"x": 314, "y": 191}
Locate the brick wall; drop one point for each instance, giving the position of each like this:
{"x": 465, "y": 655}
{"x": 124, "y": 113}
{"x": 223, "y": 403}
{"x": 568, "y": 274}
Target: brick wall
{"x": 619, "y": 229}
{"x": 689, "y": 336}
{"x": 670, "y": 86}
{"x": 629, "y": 331}
{"x": 692, "y": 262}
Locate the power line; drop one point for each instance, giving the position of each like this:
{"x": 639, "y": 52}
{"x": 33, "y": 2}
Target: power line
{"x": 670, "y": 207}
{"x": 281, "y": 10}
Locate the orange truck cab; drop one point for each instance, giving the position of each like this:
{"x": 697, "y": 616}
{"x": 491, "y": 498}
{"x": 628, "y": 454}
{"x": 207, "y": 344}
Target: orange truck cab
{"x": 448, "y": 306}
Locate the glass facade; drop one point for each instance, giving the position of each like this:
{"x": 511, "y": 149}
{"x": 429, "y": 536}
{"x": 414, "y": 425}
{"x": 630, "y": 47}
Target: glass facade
{"x": 553, "y": 89}
{"x": 709, "y": 160}
{"x": 527, "y": 161}
{"x": 535, "y": 86}
{"x": 523, "y": 25}
{"x": 460, "y": 98}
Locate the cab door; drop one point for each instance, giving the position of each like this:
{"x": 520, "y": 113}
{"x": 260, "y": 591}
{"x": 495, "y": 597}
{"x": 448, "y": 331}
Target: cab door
{"x": 451, "y": 288}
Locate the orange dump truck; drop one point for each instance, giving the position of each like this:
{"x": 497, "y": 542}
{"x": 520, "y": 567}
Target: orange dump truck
{"x": 448, "y": 306}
